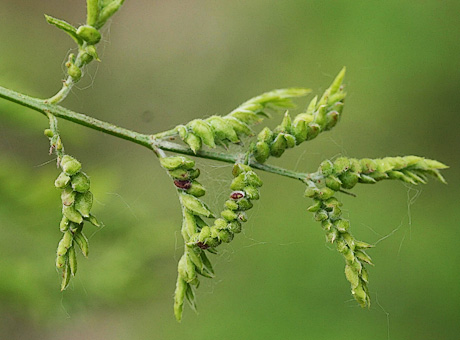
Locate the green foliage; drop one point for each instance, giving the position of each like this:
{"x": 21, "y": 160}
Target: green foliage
{"x": 200, "y": 235}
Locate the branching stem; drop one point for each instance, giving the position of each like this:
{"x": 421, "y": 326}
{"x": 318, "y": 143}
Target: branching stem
{"x": 152, "y": 142}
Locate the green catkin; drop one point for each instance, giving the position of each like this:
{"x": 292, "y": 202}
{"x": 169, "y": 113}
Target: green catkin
{"x": 345, "y": 173}
{"x": 199, "y": 237}
{"x": 77, "y": 201}
{"x": 320, "y": 116}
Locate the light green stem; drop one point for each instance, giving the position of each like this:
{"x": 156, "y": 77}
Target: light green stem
{"x": 69, "y": 82}
{"x": 150, "y": 141}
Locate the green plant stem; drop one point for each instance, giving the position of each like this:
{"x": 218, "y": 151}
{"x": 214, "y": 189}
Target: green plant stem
{"x": 150, "y": 141}
{"x": 69, "y": 82}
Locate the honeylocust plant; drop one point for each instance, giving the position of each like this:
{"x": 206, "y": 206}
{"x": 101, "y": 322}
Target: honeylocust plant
{"x": 203, "y": 231}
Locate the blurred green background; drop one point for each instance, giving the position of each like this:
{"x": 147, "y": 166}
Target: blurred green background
{"x": 167, "y": 62}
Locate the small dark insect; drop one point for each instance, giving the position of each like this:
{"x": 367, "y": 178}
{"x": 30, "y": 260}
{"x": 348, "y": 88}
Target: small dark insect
{"x": 236, "y": 195}
{"x": 182, "y": 184}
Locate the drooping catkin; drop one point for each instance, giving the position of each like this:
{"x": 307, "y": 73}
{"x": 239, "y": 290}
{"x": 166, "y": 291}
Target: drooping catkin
{"x": 77, "y": 202}
{"x": 199, "y": 237}
{"x": 345, "y": 173}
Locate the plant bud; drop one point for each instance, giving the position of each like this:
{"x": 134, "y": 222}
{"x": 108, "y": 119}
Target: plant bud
{"x": 363, "y": 257}
{"x": 417, "y": 178}
{"x": 341, "y": 165}
{"x": 278, "y": 146}
{"x": 311, "y": 191}
{"x": 377, "y": 175}
{"x": 80, "y": 182}
{"x": 348, "y": 179}
{"x": 360, "y": 295}
{"x": 176, "y": 162}
{"x": 74, "y": 71}
{"x": 239, "y": 127}
{"x": 231, "y": 204}
{"x": 193, "y": 141}
{"x": 239, "y": 168}
{"x": 222, "y": 129}
{"x": 368, "y": 165}
{"x": 362, "y": 245}
{"x": 320, "y": 116}
{"x": 352, "y": 276}
{"x": 194, "y": 205}
{"x": 364, "y": 275}
{"x": 333, "y": 183}
{"x": 290, "y": 140}
{"x": 64, "y": 224}
{"x": 325, "y": 193}
{"x": 229, "y": 215}
{"x": 266, "y": 135}
{"x": 68, "y": 196}
{"x": 342, "y": 225}
{"x": 331, "y": 119}
{"x": 93, "y": 220}
{"x": 70, "y": 165}
{"x": 179, "y": 296}
{"x": 286, "y": 123}
{"x": 182, "y": 131}
{"x": 261, "y": 152}
{"x": 299, "y": 131}
{"x": 201, "y": 129}
{"x": 186, "y": 269}
{"x": 244, "y": 204}
{"x": 72, "y": 214}
{"x": 220, "y": 223}
{"x": 332, "y": 235}
{"x": 316, "y": 206}
{"x": 83, "y": 203}
{"x": 252, "y": 179}
{"x": 335, "y": 213}
{"x": 239, "y": 182}
{"x": 204, "y": 234}
{"x": 89, "y": 34}
{"x": 326, "y": 167}
{"x": 82, "y": 242}
{"x": 225, "y": 236}
{"x": 72, "y": 261}
{"x": 66, "y": 274}
{"x": 48, "y": 133}
{"x": 62, "y": 180}
{"x": 61, "y": 260}
{"x": 400, "y": 176}
{"x": 196, "y": 189}
{"x": 366, "y": 179}
{"x": 235, "y": 227}
{"x": 313, "y": 131}
{"x": 251, "y": 192}
{"x": 195, "y": 258}
{"x": 321, "y": 215}
{"x": 349, "y": 240}
{"x": 327, "y": 225}
{"x": 246, "y": 116}
{"x": 242, "y": 217}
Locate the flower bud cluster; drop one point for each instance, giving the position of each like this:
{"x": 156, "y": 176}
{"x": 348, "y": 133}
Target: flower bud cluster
{"x": 77, "y": 201}
{"x": 86, "y": 36}
{"x": 345, "y": 173}
{"x": 327, "y": 210}
{"x": 217, "y": 130}
{"x": 320, "y": 116}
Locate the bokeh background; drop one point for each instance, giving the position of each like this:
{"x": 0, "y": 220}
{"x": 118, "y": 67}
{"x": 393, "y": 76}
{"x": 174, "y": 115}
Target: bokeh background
{"x": 167, "y": 62}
